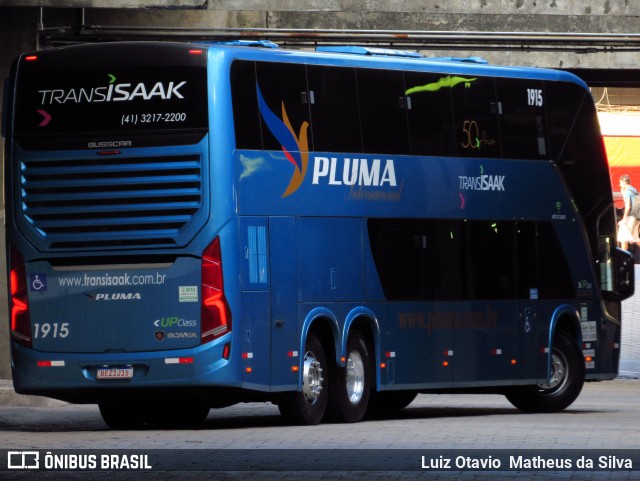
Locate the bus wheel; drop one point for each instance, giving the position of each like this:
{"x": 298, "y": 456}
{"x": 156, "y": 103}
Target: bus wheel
{"x": 563, "y": 386}
{"x": 309, "y": 405}
{"x": 351, "y": 386}
{"x": 391, "y": 400}
{"x": 123, "y": 416}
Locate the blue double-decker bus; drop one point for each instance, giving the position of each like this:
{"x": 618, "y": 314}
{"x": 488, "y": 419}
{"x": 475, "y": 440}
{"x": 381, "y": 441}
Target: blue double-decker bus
{"x": 191, "y": 226}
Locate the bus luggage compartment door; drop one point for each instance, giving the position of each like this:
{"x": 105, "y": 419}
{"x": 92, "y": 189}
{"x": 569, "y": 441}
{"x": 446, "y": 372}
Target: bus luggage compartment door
{"x": 285, "y": 323}
{"x": 254, "y": 330}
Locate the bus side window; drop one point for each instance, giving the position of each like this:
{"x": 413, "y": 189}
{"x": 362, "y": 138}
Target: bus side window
{"x": 246, "y": 116}
{"x": 579, "y": 152}
{"x": 445, "y": 260}
{"x": 335, "y": 120}
{"x": 475, "y": 110}
{"x": 283, "y": 86}
{"x": 491, "y": 249}
{"x": 563, "y": 101}
{"x": 523, "y": 126}
{"x": 383, "y": 112}
{"x": 555, "y": 280}
{"x": 397, "y": 248}
{"x": 430, "y": 117}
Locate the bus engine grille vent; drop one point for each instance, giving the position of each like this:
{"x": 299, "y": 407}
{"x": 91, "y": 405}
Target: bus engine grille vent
{"x": 112, "y": 202}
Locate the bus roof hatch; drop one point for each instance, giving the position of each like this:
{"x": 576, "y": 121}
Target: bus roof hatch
{"x": 374, "y": 51}
{"x": 247, "y": 43}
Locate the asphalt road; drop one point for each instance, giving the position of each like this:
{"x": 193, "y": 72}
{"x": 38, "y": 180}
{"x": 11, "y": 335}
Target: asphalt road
{"x": 253, "y": 442}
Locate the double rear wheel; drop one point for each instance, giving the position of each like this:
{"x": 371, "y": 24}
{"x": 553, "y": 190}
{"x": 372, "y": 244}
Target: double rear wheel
{"x": 309, "y": 405}
{"x": 340, "y": 393}
{"x": 351, "y": 384}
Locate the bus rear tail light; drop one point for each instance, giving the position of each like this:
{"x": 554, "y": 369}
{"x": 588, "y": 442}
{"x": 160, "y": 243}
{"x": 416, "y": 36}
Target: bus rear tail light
{"x": 19, "y": 302}
{"x": 216, "y": 316}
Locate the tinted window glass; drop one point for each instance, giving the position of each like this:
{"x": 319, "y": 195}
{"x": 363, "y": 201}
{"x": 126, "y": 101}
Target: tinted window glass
{"x": 284, "y": 90}
{"x": 491, "y": 260}
{"x": 444, "y": 260}
{"x": 334, "y": 109}
{"x": 582, "y": 159}
{"x": 468, "y": 260}
{"x": 584, "y": 152}
{"x": 125, "y": 99}
{"x": 145, "y": 89}
{"x": 246, "y": 116}
{"x": 555, "y": 281}
{"x": 429, "y": 113}
{"x": 527, "y": 263}
{"x": 382, "y": 111}
{"x": 563, "y": 101}
{"x": 475, "y": 112}
{"x": 522, "y": 120}
{"x": 396, "y": 245}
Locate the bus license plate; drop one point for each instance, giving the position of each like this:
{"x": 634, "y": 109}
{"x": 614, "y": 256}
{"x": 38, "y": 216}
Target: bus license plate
{"x": 125, "y": 372}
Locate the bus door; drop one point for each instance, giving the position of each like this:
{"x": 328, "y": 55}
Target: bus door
{"x": 530, "y": 347}
{"x": 545, "y": 281}
{"x": 529, "y": 327}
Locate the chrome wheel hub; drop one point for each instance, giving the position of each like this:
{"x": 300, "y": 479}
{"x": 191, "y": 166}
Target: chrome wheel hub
{"x": 311, "y": 378}
{"x": 558, "y": 374}
{"x": 355, "y": 377}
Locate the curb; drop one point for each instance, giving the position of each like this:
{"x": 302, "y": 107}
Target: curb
{"x": 629, "y": 370}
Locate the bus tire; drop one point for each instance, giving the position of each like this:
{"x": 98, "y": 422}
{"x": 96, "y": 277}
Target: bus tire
{"x": 122, "y": 416}
{"x": 566, "y": 380}
{"x": 307, "y": 407}
{"x": 391, "y": 400}
{"x": 351, "y": 385}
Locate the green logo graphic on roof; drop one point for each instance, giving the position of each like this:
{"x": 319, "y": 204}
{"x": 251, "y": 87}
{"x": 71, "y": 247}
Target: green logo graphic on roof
{"x": 444, "y": 82}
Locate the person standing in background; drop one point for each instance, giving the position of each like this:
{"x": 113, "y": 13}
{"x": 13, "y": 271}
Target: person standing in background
{"x": 628, "y": 226}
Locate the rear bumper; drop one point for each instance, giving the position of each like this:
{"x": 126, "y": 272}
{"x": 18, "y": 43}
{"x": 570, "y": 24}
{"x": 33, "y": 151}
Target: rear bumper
{"x": 73, "y": 377}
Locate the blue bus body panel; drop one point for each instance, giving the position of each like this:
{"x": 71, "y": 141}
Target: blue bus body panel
{"x": 125, "y": 309}
{"x": 77, "y": 373}
{"x": 424, "y": 186}
{"x": 326, "y": 273}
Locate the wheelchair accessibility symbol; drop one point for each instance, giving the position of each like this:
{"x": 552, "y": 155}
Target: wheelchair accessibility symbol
{"x": 38, "y": 282}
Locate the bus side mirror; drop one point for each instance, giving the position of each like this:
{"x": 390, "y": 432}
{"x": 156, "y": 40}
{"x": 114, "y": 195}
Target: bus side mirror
{"x": 623, "y": 276}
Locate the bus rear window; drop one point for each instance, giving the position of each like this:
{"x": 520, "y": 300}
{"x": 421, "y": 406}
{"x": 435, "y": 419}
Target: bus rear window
{"x": 73, "y": 91}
